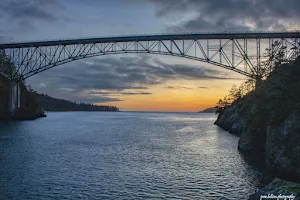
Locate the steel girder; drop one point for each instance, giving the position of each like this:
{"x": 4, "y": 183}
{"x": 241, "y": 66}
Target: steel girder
{"x": 243, "y": 53}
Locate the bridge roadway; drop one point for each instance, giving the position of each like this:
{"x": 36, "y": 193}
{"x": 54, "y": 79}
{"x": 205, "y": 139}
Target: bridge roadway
{"x": 158, "y": 37}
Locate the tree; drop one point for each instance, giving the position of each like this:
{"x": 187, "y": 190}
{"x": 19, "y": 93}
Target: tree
{"x": 277, "y": 56}
{"x": 235, "y": 93}
{"x": 8, "y": 69}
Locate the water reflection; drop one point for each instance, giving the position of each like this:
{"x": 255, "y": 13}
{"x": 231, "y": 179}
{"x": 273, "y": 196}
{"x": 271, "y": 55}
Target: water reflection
{"x": 122, "y": 156}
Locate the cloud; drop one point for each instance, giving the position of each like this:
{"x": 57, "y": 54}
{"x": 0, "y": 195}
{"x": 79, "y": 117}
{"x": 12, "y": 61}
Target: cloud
{"x": 203, "y": 87}
{"x": 179, "y": 87}
{"x": 31, "y": 9}
{"x": 93, "y": 99}
{"x": 234, "y": 15}
{"x": 109, "y": 76}
{"x": 24, "y": 14}
{"x": 3, "y": 38}
{"x": 74, "y": 95}
{"x": 118, "y": 93}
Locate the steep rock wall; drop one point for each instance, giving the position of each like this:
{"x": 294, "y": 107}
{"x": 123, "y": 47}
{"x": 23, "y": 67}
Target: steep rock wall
{"x": 268, "y": 121}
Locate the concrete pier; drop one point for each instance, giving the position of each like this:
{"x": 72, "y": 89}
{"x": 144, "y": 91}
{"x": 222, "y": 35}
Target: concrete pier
{"x": 14, "y": 96}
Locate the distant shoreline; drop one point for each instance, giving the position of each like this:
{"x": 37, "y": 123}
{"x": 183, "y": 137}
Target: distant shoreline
{"x": 209, "y": 110}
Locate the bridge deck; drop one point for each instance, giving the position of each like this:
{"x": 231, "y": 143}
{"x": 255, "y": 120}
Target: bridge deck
{"x": 245, "y": 35}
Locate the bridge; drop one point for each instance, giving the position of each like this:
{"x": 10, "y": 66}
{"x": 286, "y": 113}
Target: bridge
{"x": 242, "y": 52}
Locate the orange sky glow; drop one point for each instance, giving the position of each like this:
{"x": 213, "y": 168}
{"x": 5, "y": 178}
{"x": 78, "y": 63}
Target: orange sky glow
{"x": 192, "y": 97}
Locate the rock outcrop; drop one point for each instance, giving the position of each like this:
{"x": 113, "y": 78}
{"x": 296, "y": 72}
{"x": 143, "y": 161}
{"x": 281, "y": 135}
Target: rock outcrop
{"x": 268, "y": 121}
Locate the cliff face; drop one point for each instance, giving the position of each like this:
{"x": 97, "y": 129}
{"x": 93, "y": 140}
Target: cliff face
{"x": 268, "y": 121}
{"x": 282, "y": 147}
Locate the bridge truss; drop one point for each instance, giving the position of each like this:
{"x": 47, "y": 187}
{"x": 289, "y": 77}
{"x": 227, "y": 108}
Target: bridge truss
{"x": 244, "y": 53}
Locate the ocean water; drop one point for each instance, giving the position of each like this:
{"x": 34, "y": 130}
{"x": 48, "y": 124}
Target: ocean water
{"x": 125, "y": 155}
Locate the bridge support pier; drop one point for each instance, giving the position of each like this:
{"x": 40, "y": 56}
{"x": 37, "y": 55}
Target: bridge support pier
{"x": 14, "y": 96}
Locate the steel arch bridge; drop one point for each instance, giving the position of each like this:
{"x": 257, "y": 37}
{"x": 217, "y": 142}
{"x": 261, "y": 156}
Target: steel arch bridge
{"x": 241, "y": 52}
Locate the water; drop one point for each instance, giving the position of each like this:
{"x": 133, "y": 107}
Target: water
{"x": 127, "y": 155}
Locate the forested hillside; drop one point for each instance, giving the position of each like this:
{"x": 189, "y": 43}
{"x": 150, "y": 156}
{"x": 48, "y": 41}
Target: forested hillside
{"x": 51, "y": 104}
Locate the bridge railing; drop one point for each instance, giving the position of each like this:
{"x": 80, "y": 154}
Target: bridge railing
{"x": 147, "y": 34}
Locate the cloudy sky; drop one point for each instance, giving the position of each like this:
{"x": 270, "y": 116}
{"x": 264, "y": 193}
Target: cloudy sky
{"x": 139, "y": 82}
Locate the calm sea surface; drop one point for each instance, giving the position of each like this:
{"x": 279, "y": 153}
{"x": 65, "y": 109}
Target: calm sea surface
{"x": 126, "y": 155}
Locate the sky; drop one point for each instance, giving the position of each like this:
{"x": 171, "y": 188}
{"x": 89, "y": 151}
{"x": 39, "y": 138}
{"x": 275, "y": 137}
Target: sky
{"x": 140, "y": 82}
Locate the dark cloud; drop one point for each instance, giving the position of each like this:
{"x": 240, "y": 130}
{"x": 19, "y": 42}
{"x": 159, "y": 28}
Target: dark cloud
{"x": 220, "y": 15}
{"x": 30, "y": 9}
{"x": 26, "y": 26}
{"x": 24, "y": 14}
{"x": 203, "y": 87}
{"x": 109, "y": 76}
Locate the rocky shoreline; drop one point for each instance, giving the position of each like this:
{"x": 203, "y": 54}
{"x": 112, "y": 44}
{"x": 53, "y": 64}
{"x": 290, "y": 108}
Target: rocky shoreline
{"x": 268, "y": 122}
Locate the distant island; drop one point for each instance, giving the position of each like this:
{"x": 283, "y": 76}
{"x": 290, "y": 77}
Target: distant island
{"x": 52, "y": 104}
{"x": 209, "y": 110}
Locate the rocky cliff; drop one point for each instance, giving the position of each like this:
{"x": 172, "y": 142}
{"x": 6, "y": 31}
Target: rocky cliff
{"x": 268, "y": 121}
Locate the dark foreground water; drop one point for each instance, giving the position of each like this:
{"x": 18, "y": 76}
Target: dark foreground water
{"x": 90, "y": 155}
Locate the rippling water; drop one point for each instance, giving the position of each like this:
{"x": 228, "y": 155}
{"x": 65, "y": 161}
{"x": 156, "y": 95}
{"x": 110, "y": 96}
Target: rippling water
{"x": 127, "y": 155}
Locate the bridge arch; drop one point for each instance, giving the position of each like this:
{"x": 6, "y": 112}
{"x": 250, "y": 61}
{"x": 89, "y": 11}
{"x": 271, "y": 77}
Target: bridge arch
{"x": 239, "y": 52}
{"x": 62, "y": 62}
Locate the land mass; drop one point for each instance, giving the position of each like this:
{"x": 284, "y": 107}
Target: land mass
{"x": 267, "y": 121}
{"x": 209, "y": 110}
{"x": 52, "y": 104}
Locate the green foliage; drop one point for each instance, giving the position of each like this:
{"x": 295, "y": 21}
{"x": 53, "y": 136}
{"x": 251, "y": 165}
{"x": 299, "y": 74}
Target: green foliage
{"x": 33, "y": 102}
{"x": 277, "y": 57}
{"x": 8, "y": 69}
{"x": 235, "y": 93}
{"x": 6, "y": 66}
